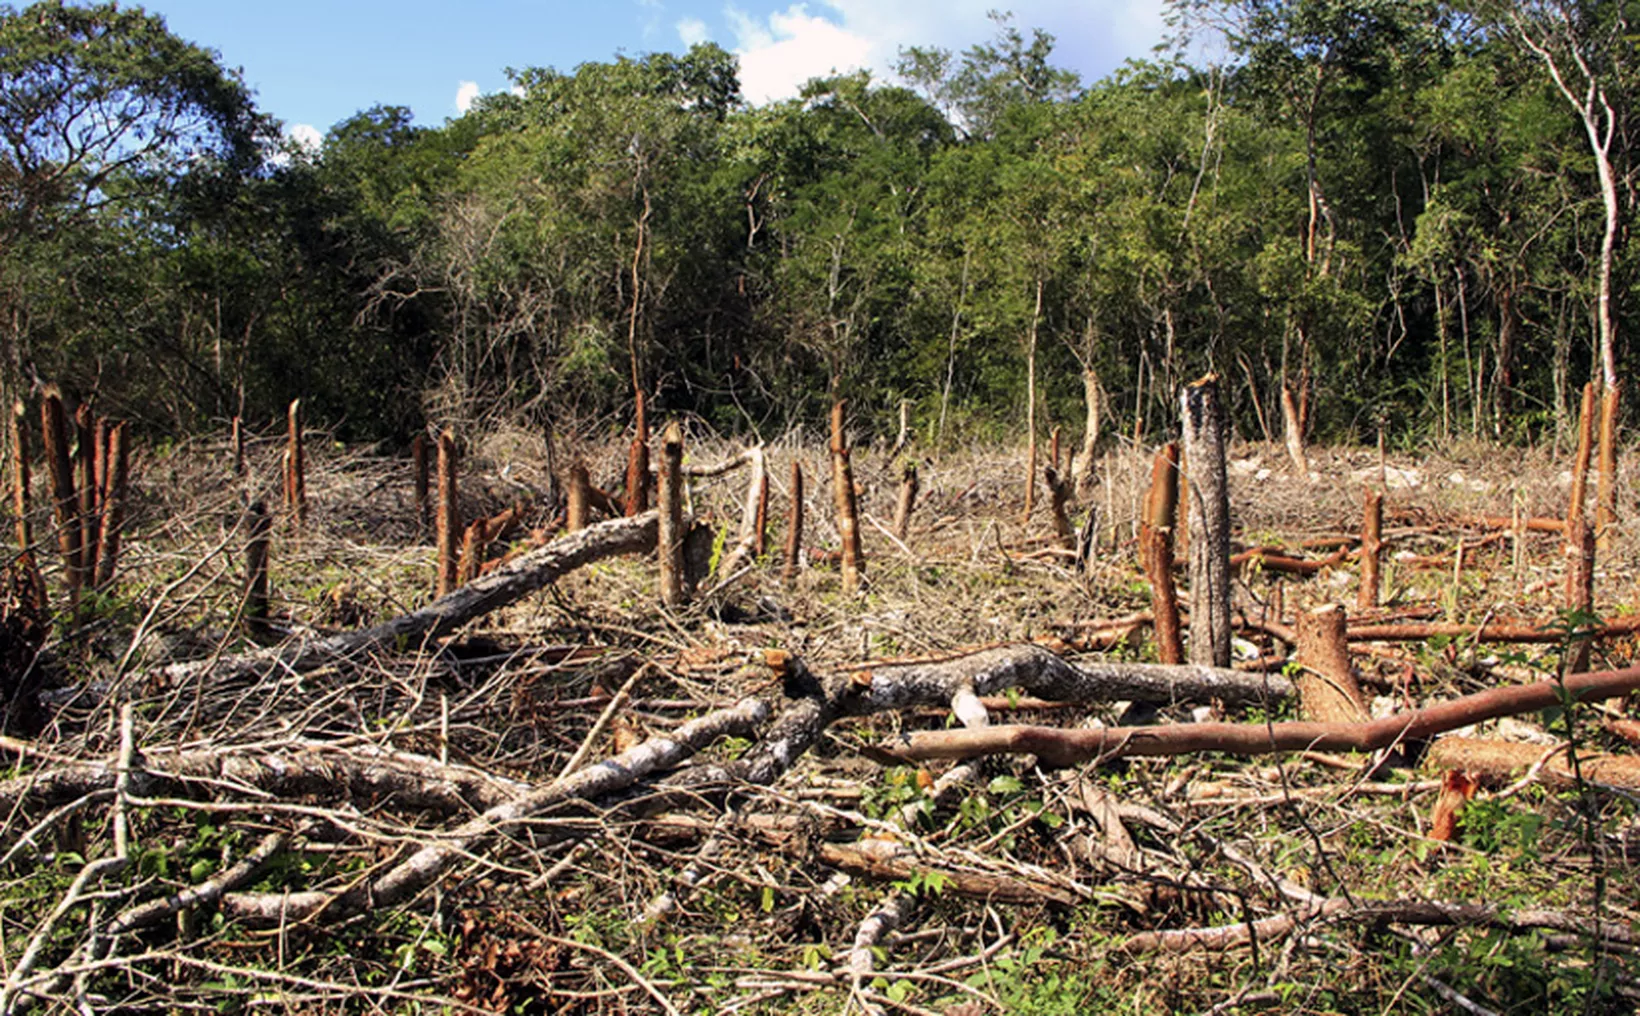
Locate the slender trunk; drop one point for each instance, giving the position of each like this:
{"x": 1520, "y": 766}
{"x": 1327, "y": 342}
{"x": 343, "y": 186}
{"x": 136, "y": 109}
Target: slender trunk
{"x": 448, "y": 522}
{"x": 418, "y": 469}
{"x": 295, "y": 467}
{"x": 951, "y": 349}
{"x": 113, "y": 513}
{"x": 1605, "y": 506}
{"x": 1372, "y": 546}
{"x": 1209, "y": 515}
{"x": 1030, "y": 405}
{"x": 1156, "y": 526}
{"x": 794, "y": 527}
{"x": 848, "y": 516}
{"x": 85, "y": 465}
{"x": 907, "y": 502}
{"x": 259, "y": 525}
{"x": 238, "y": 438}
{"x": 1293, "y": 432}
{"x": 670, "y": 534}
{"x": 54, "y": 427}
{"x": 1082, "y": 463}
{"x": 637, "y": 462}
{"x": 1580, "y": 464}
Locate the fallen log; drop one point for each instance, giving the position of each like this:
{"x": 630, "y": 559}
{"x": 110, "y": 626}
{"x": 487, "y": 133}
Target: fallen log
{"x": 1426, "y": 913}
{"x": 1055, "y": 746}
{"x": 413, "y": 874}
{"x": 1492, "y": 631}
{"x": 1498, "y": 761}
{"x": 1035, "y": 671}
{"x": 507, "y": 584}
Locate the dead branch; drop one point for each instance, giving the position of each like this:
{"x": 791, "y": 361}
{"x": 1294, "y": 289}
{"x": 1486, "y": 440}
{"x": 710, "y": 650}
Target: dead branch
{"x": 1059, "y": 747}
{"x": 422, "y": 868}
{"x": 504, "y": 585}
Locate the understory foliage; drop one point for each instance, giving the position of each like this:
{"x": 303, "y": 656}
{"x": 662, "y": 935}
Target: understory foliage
{"x": 1388, "y": 206}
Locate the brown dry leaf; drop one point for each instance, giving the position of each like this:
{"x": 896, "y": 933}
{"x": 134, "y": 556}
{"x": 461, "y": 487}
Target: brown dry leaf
{"x": 626, "y": 732}
{"x": 861, "y": 678}
{"x": 1456, "y": 788}
{"x": 925, "y": 780}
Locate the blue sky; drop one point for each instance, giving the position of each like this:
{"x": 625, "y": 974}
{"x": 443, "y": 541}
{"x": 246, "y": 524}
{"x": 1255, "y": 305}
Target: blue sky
{"x": 315, "y": 62}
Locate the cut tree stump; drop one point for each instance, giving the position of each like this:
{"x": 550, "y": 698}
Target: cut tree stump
{"x": 1156, "y": 526}
{"x": 1208, "y": 489}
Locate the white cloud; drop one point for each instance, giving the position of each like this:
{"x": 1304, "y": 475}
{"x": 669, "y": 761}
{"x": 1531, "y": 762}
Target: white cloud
{"x": 780, "y": 52}
{"x": 778, "y": 55}
{"x": 308, "y": 137}
{"x": 466, "y": 94}
{"x": 692, "y": 31}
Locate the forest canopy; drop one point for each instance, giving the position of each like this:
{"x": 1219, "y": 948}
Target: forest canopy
{"x": 1402, "y": 210}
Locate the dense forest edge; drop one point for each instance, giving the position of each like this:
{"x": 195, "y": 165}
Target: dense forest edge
{"x": 1373, "y": 212}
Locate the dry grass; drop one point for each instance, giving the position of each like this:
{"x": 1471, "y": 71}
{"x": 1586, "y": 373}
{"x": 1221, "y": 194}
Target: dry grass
{"x": 719, "y": 899}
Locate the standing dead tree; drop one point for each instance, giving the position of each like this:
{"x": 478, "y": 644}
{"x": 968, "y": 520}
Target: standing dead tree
{"x": 848, "y": 513}
{"x": 54, "y": 428}
{"x": 1156, "y": 551}
{"x": 671, "y": 527}
{"x": 295, "y": 467}
{"x": 1372, "y": 548}
{"x": 448, "y": 521}
{"x": 113, "y": 503}
{"x": 794, "y": 527}
{"x": 637, "y": 460}
{"x": 1205, "y": 438}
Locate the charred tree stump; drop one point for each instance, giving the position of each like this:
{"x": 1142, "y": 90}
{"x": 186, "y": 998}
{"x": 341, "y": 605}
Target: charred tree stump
{"x": 670, "y": 532}
{"x": 113, "y": 509}
{"x": 1605, "y": 507}
{"x": 1327, "y": 689}
{"x": 448, "y": 522}
{"x": 1209, "y": 514}
{"x": 295, "y": 467}
{"x": 473, "y": 543}
{"x": 579, "y": 509}
{"x": 259, "y": 525}
{"x": 54, "y": 427}
{"x": 1372, "y": 549}
{"x": 1156, "y": 526}
{"x": 848, "y": 515}
{"x": 794, "y": 527}
{"x": 907, "y": 501}
{"x": 418, "y": 470}
{"x": 637, "y": 463}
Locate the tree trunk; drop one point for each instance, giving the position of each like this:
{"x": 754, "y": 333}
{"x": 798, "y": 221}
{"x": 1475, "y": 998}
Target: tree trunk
{"x": 54, "y": 427}
{"x": 1082, "y": 463}
{"x": 296, "y": 467}
{"x": 671, "y": 532}
{"x": 757, "y": 496}
{"x": 113, "y": 512}
{"x": 1030, "y": 406}
{"x": 1059, "y": 496}
{"x": 1580, "y": 463}
{"x": 418, "y": 470}
{"x": 907, "y": 502}
{"x": 1372, "y": 547}
{"x": 1605, "y": 505}
{"x": 1156, "y": 526}
{"x": 848, "y": 515}
{"x": 1293, "y": 433}
{"x": 577, "y": 513}
{"x": 85, "y": 466}
{"x": 1209, "y": 514}
{"x": 794, "y": 527}
{"x": 259, "y": 525}
{"x": 637, "y": 462}
{"x": 1327, "y": 688}
{"x": 448, "y": 522}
